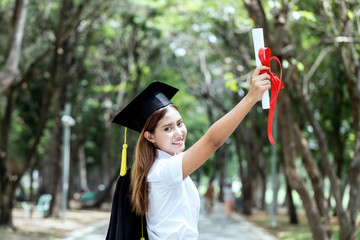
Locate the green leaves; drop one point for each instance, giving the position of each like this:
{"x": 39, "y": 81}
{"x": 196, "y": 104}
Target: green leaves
{"x": 300, "y": 66}
{"x": 109, "y": 88}
{"x": 350, "y": 14}
{"x": 307, "y": 15}
{"x": 230, "y": 82}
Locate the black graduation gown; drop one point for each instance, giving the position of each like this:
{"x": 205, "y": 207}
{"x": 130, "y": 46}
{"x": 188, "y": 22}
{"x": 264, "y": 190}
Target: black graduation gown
{"x": 124, "y": 223}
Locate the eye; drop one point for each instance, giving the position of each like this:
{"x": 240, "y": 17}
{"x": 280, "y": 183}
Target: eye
{"x": 167, "y": 129}
{"x": 180, "y": 123}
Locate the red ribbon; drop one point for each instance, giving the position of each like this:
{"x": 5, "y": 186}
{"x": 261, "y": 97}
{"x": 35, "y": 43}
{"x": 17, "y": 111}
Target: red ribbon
{"x": 265, "y": 59}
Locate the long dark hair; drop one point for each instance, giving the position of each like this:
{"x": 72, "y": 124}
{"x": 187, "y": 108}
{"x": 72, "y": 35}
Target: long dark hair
{"x": 145, "y": 156}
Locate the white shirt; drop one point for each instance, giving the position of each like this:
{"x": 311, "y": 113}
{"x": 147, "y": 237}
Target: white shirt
{"x": 174, "y": 202}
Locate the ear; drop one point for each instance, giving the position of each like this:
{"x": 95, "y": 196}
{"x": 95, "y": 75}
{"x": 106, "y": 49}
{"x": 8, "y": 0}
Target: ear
{"x": 149, "y": 136}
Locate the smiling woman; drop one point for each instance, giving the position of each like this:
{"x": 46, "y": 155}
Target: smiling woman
{"x": 160, "y": 186}
{"x": 170, "y": 133}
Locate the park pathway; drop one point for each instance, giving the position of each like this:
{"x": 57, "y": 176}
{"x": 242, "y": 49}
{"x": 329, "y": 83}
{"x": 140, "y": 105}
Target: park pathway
{"x": 218, "y": 227}
{"x": 213, "y": 227}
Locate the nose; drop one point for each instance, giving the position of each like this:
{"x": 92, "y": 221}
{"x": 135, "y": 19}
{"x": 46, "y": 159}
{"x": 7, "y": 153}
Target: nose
{"x": 178, "y": 132}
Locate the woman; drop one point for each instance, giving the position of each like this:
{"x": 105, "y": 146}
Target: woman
{"x": 160, "y": 184}
{"x": 209, "y": 198}
{"x": 229, "y": 199}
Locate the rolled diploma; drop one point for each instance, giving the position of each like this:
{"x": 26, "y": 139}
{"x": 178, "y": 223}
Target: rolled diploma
{"x": 258, "y": 40}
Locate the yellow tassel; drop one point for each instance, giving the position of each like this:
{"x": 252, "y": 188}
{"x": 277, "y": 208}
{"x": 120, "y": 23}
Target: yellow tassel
{"x": 123, "y": 168}
{"x": 142, "y": 229}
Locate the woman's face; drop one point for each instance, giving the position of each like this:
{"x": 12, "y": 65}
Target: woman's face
{"x": 170, "y": 133}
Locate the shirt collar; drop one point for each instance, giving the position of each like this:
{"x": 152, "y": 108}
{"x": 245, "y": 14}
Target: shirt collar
{"x": 162, "y": 154}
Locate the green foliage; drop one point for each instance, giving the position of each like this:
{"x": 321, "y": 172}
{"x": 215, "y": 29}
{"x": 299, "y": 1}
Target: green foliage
{"x": 108, "y": 88}
{"x": 231, "y": 83}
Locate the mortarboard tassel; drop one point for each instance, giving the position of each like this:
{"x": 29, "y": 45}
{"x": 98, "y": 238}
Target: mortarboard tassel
{"x": 123, "y": 168}
{"x": 142, "y": 229}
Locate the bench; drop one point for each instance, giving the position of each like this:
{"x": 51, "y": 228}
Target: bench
{"x": 42, "y": 207}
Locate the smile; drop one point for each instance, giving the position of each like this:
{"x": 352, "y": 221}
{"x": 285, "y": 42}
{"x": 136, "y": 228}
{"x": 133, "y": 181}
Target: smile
{"x": 179, "y": 142}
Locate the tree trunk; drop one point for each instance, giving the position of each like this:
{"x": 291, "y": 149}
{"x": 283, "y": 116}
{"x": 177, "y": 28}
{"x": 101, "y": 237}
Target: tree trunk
{"x": 57, "y": 146}
{"x": 247, "y": 197}
{"x": 339, "y": 141}
{"x": 106, "y": 160}
{"x": 7, "y": 201}
{"x": 82, "y": 168}
{"x": 262, "y": 174}
{"x": 56, "y": 159}
{"x": 250, "y": 176}
{"x": 318, "y": 228}
{"x": 7, "y": 179}
{"x": 315, "y": 176}
{"x": 293, "y": 219}
{"x": 348, "y": 224}
{"x": 10, "y": 70}
{"x": 237, "y": 138}
{"x": 220, "y": 158}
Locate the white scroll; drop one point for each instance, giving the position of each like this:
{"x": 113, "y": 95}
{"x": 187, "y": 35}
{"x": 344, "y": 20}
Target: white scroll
{"x": 258, "y": 40}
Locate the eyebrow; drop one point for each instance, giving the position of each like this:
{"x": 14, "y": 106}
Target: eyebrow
{"x": 169, "y": 124}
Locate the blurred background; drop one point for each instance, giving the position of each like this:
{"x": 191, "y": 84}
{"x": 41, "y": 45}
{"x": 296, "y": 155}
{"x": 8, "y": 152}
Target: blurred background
{"x": 67, "y": 67}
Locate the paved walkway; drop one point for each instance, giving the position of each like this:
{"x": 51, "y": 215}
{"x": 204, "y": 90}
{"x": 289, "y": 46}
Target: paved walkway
{"x": 214, "y": 227}
{"x": 218, "y": 227}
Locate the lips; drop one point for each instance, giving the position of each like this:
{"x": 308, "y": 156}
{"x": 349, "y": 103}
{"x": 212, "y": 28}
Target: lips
{"x": 179, "y": 142}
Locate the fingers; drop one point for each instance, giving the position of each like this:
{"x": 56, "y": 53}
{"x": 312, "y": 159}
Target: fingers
{"x": 266, "y": 84}
{"x": 261, "y": 81}
{"x": 259, "y": 69}
{"x": 262, "y": 84}
{"x": 260, "y": 77}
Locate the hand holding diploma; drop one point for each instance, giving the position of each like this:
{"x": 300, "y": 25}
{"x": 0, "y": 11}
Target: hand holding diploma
{"x": 263, "y": 58}
{"x": 258, "y": 40}
{"x": 260, "y": 83}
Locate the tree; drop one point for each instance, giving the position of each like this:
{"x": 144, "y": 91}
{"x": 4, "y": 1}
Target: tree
{"x": 8, "y": 74}
{"x": 316, "y": 208}
{"x": 35, "y": 115}
{"x": 344, "y": 31}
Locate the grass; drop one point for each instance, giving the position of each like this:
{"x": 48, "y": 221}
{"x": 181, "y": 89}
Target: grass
{"x": 286, "y": 231}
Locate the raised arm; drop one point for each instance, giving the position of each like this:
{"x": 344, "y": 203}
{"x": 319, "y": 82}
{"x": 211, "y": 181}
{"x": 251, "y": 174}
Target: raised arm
{"x": 217, "y": 134}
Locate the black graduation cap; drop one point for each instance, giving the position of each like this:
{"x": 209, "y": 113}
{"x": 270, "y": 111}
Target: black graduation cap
{"x": 153, "y": 97}
{"x": 124, "y": 223}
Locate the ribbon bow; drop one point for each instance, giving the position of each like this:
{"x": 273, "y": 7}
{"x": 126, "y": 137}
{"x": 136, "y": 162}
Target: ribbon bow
{"x": 265, "y": 59}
